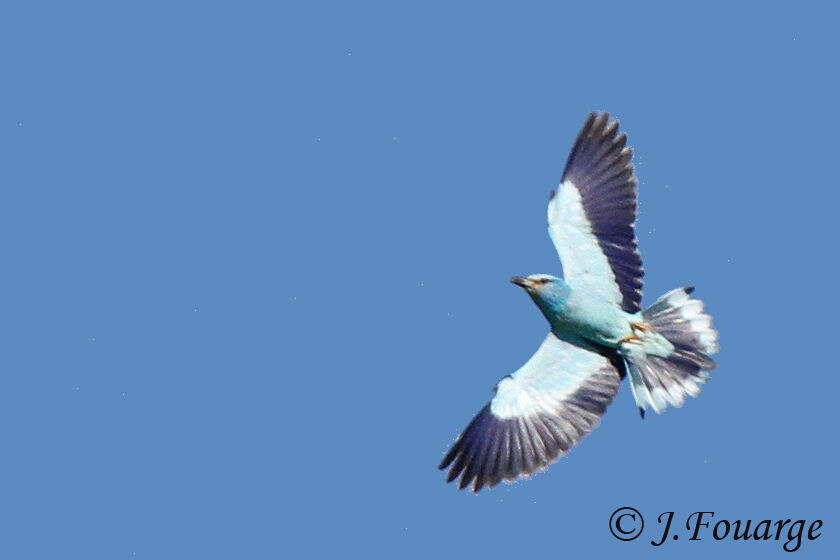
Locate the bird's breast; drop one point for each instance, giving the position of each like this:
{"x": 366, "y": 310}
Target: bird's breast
{"x": 592, "y": 318}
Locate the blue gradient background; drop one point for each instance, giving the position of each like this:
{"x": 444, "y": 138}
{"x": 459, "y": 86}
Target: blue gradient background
{"x": 255, "y": 265}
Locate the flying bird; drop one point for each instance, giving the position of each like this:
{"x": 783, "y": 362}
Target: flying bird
{"x": 599, "y": 333}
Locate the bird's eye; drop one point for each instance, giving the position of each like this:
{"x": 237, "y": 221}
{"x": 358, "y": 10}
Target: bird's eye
{"x": 543, "y": 280}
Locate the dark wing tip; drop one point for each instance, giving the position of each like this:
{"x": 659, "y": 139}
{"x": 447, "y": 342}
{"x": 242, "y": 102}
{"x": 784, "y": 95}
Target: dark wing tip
{"x": 450, "y": 456}
{"x": 492, "y": 450}
{"x": 590, "y": 121}
{"x": 601, "y": 118}
{"x": 642, "y": 412}
{"x": 598, "y": 121}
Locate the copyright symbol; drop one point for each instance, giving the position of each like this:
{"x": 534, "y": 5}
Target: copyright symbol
{"x": 626, "y": 523}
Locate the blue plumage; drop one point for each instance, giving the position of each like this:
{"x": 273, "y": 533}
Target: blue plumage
{"x": 598, "y": 332}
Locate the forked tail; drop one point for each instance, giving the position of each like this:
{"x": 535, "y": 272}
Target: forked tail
{"x": 673, "y": 359}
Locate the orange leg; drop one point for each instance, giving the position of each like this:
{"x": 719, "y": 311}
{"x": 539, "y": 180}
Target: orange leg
{"x": 644, "y": 327}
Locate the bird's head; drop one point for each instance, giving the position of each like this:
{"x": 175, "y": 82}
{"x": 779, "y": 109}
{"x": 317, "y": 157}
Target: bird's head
{"x": 548, "y": 292}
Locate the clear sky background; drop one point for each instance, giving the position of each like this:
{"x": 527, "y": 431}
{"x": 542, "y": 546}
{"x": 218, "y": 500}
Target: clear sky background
{"x": 255, "y": 265}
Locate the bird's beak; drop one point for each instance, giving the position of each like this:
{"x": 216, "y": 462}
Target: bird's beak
{"x": 521, "y": 281}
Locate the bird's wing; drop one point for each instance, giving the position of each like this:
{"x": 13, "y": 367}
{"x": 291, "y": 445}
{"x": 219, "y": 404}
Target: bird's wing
{"x": 592, "y": 214}
{"x": 537, "y": 415}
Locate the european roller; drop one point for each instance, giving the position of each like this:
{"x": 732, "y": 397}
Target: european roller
{"x": 599, "y": 333}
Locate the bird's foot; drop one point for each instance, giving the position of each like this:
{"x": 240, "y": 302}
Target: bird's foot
{"x": 637, "y": 327}
{"x": 641, "y": 327}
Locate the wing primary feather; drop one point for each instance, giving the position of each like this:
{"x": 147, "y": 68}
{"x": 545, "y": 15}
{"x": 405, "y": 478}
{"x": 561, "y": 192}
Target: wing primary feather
{"x": 503, "y": 463}
{"x": 540, "y": 452}
{"x": 529, "y": 456}
{"x": 450, "y": 455}
{"x": 486, "y": 473}
{"x": 515, "y": 465}
{"x": 551, "y": 446}
{"x": 458, "y": 466}
{"x": 477, "y": 458}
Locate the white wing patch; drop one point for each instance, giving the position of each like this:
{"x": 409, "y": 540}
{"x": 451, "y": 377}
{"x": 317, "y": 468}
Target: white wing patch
{"x": 585, "y": 265}
{"x": 554, "y": 373}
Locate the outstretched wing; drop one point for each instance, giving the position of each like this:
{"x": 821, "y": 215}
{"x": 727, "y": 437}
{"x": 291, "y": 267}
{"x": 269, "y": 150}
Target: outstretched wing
{"x": 591, "y": 215}
{"x": 537, "y": 415}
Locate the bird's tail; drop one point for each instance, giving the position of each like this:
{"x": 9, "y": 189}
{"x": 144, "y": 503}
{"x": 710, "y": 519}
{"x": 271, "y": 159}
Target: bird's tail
{"x": 671, "y": 359}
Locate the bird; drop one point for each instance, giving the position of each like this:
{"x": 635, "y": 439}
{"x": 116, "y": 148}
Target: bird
{"x": 599, "y": 334}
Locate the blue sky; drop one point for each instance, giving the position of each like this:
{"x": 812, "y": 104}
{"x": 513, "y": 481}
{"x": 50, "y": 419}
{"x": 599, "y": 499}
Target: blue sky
{"x": 255, "y": 265}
